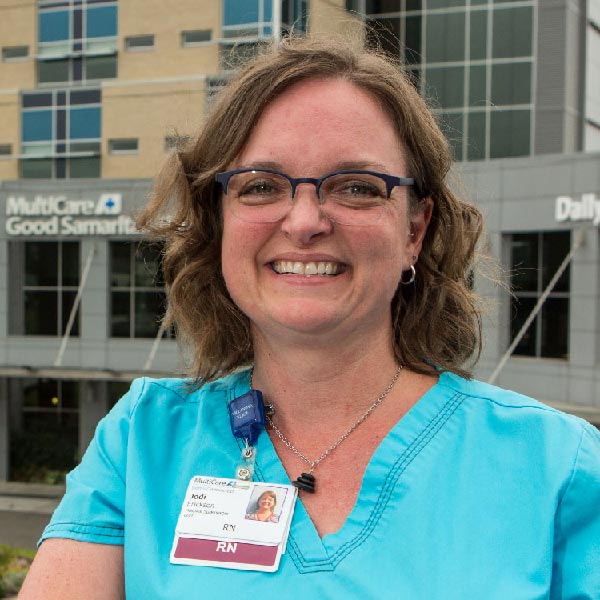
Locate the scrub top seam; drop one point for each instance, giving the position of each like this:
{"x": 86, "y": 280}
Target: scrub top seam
{"x": 305, "y": 565}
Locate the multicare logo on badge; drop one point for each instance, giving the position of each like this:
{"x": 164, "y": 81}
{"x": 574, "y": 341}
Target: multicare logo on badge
{"x": 233, "y": 524}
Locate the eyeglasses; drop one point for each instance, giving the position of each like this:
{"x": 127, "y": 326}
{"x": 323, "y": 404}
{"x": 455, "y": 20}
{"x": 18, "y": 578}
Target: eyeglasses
{"x": 348, "y": 197}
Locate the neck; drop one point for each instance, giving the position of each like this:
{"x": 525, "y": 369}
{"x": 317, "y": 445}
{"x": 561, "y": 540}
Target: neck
{"x": 315, "y": 382}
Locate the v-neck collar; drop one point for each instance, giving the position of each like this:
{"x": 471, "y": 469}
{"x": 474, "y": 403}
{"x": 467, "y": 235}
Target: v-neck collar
{"x": 395, "y": 453}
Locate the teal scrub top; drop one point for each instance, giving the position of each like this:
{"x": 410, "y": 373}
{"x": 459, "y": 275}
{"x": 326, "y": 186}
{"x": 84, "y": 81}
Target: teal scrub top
{"x": 477, "y": 492}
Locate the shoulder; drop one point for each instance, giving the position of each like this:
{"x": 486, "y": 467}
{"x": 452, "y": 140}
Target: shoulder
{"x": 154, "y": 393}
{"x": 494, "y": 396}
{"x": 507, "y": 413}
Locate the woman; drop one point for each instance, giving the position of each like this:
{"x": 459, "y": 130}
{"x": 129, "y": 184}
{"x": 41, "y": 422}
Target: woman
{"x": 265, "y": 505}
{"x": 316, "y": 253}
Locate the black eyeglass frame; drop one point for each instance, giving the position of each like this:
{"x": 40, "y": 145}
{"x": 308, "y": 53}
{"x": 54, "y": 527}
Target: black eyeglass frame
{"x": 391, "y": 181}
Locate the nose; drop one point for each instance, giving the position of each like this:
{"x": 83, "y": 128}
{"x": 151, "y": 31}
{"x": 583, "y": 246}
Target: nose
{"x": 306, "y": 218}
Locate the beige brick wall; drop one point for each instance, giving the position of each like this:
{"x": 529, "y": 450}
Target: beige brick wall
{"x": 18, "y": 26}
{"x": 10, "y": 122}
{"x": 330, "y": 17}
{"x": 148, "y": 112}
{"x": 166, "y": 22}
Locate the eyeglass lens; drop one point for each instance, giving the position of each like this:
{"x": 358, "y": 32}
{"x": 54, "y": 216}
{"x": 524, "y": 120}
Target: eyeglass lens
{"x": 348, "y": 198}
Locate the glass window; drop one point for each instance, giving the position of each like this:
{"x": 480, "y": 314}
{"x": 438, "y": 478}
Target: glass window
{"x": 478, "y": 33}
{"x": 535, "y": 258}
{"x": 84, "y": 122}
{"x": 520, "y": 309}
{"x": 85, "y": 96}
{"x": 35, "y": 99}
{"x": 36, "y": 125}
{"x": 267, "y": 7}
{"x": 14, "y": 52}
{"x": 452, "y": 126}
{"x": 377, "y": 7}
{"x": 195, "y": 37}
{"x": 48, "y": 135}
{"x": 446, "y": 37}
{"x": 53, "y": 71}
{"x": 120, "y": 270}
{"x": 445, "y": 3}
{"x": 53, "y": 25}
{"x": 413, "y": 44}
{"x": 511, "y": 83}
{"x": 40, "y": 264}
{"x": 446, "y": 85}
{"x": 237, "y": 12}
{"x": 555, "y": 246}
{"x": 51, "y": 277}
{"x": 139, "y": 42}
{"x": 513, "y": 32}
{"x": 385, "y": 33}
{"x": 84, "y": 167}
{"x": 137, "y": 289}
{"x": 294, "y": 13}
{"x": 149, "y": 307}
{"x": 46, "y": 447}
{"x": 123, "y": 146}
{"x": 5, "y": 149}
{"x": 38, "y": 168}
{"x": 555, "y": 328}
{"x": 101, "y": 21}
{"x": 478, "y": 85}
{"x": 509, "y": 133}
{"x": 148, "y": 266}
{"x": 476, "y": 139}
{"x": 101, "y": 67}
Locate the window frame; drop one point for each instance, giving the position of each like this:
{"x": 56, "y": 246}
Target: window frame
{"x": 195, "y": 44}
{"x": 57, "y": 144}
{"x": 17, "y": 58}
{"x": 113, "y": 146}
{"x": 128, "y": 47}
{"x": 135, "y": 253}
{"x": 18, "y": 251}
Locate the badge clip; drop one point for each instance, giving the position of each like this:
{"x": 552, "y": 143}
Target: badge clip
{"x": 247, "y": 418}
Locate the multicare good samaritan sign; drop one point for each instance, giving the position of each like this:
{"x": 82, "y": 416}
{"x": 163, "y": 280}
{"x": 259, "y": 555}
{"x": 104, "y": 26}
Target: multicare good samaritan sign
{"x": 43, "y": 214}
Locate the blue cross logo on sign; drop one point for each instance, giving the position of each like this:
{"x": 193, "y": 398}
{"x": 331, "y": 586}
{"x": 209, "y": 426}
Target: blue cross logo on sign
{"x": 109, "y": 204}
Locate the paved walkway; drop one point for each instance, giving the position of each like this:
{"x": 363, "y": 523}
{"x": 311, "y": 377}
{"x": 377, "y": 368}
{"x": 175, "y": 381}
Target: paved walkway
{"x": 25, "y": 509}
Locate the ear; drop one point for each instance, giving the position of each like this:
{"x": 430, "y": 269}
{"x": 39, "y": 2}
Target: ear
{"x": 419, "y": 221}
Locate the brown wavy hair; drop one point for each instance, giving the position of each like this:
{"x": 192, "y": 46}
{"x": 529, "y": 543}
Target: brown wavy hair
{"x": 436, "y": 320}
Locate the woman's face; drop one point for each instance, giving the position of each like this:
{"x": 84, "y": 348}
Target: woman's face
{"x": 266, "y": 501}
{"x": 313, "y": 128}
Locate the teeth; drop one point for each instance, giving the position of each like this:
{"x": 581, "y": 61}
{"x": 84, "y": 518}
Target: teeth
{"x": 310, "y": 268}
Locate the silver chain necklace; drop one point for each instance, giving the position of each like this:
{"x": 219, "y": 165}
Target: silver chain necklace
{"x": 307, "y": 481}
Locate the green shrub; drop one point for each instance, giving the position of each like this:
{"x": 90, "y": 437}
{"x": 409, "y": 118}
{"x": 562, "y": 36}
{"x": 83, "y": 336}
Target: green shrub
{"x": 14, "y": 564}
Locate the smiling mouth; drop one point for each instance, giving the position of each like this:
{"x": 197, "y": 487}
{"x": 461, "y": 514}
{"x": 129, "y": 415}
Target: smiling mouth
{"x": 309, "y": 268}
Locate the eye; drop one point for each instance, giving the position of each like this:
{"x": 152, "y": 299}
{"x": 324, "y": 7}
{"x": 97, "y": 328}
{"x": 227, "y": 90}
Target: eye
{"x": 359, "y": 188}
{"x": 263, "y": 186}
{"x": 354, "y": 190}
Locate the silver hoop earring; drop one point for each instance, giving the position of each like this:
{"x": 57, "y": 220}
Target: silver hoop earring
{"x": 413, "y": 274}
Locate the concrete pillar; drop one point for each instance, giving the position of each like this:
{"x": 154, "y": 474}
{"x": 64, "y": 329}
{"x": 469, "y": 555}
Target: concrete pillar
{"x": 92, "y": 407}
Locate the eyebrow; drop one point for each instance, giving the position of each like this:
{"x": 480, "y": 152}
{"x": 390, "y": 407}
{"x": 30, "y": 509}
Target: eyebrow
{"x": 343, "y": 166}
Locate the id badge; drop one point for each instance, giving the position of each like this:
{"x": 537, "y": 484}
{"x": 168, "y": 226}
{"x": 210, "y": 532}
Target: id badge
{"x": 233, "y": 524}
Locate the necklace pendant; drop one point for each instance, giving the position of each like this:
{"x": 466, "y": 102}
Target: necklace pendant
{"x": 305, "y": 482}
